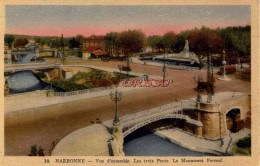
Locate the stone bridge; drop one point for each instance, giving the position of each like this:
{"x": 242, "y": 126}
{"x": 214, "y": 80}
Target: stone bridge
{"x": 32, "y": 66}
{"x": 209, "y": 120}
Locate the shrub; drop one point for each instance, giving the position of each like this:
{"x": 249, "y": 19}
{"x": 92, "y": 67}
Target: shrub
{"x": 229, "y": 69}
{"x": 246, "y": 74}
{"x": 244, "y": 143}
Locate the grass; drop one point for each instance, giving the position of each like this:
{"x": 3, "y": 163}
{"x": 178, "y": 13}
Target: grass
{"x": 123, "y": 76}
{"x": 82, "y": 80}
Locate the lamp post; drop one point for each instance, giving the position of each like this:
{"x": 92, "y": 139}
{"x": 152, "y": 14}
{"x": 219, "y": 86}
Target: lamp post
{"x": 164, "y": 69}
{"x": 224, "y": 77}
{"x": 116, "y": 97}
{"x": 224, "y": 64}
{"x": 198, "y": 99}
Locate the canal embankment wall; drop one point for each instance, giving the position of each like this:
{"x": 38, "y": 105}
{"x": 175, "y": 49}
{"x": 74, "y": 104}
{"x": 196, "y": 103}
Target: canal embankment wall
{"x": 194, "y": 143}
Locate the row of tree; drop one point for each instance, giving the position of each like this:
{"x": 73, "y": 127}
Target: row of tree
{"x": 53, "y": 42}
{"x": 202, "y": 41}
{"x": 126, "y": 42}
{"x": 205, "y": 39}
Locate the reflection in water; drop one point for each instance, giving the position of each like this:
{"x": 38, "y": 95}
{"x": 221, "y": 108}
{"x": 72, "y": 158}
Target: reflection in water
{"x": 149, "y": 144}
{"x": 25, "y": 81}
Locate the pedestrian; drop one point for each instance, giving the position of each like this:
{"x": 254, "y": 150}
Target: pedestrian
{"x": 40, "y": 151}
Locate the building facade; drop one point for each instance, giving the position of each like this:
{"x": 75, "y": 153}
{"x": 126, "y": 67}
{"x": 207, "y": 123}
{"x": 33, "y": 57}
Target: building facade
{"x": 92, "y": 44}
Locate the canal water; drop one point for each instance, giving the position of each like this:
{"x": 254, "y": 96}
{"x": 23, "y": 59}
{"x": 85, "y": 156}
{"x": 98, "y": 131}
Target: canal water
{"x": 144, "y": 143}
{"x": 25, "y": 58}
{"x": 27, "y": 81}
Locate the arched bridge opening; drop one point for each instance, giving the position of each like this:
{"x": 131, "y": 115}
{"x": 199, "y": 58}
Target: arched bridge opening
{"x": 233, "y": 120}
{"x": 173, "y": 120}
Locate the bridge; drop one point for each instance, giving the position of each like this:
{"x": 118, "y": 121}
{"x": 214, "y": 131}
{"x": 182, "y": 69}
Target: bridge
{"x": 56, "y": 53}
{"x": 210, "y": 120}
{"x": 30, "y": 66}
{"x": 132, "y": 122}
{"x": 19, "y": 52}
{"x": 210, "y": 134}
{"x": 206, "y": 122}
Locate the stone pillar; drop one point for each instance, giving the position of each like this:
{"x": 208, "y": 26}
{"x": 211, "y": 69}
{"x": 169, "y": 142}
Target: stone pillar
{"x": 9, "y": 56}
{"x": 198, "y": 131}
{"x": 37, "y": 53}
{"x": 118, "y": 139}
{"x": 50, "y": 93}
{"x": 55, "y": 53}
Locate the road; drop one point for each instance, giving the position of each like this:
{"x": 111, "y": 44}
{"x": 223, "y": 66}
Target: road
{"x": 69, "y": 117}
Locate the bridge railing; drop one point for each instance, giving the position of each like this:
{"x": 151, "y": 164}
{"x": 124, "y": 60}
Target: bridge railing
{"x": 175, "y": 107}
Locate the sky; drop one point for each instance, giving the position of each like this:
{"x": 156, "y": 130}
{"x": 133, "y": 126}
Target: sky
{"x": 99, "y": 20}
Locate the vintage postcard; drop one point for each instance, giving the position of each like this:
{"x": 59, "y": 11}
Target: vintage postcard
{"x": 130, "y": 83}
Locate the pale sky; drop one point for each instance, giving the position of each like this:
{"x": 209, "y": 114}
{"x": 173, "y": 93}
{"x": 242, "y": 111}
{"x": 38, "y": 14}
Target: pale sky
{"x": 99, "y": 20}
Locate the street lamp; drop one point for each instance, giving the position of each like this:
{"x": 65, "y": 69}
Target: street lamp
{"x": 224, "y": 77}
{"x": 164, "y": 69}
{"x": 116, "y": 97}
{"x": 198, "y": 99}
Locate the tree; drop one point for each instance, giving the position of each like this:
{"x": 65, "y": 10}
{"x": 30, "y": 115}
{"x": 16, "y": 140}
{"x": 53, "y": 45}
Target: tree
{"x": 237, "y": 39}
{"x": 9, "y": 39}
{"x": 62, "y": 42}
{"x": 42, "y": 42}
{"x": 180, "y": 40}
{"x": 73, "y": 43}
{"x": 204, "y": 42}
{"x": 112, "y": 42}
{"x": 20, "y": 42}
{"x": 132, "y": 41}
{"x": 155, "y": 41}
{"x": 79, "y": 39}
{"x": 169, "y": 40}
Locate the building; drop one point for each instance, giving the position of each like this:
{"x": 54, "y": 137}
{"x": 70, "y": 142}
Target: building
{"x": 93, "y": 44}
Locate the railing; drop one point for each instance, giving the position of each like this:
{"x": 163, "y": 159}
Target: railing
{"x": 175, "y": 108}
{"x": 81, "y": 91}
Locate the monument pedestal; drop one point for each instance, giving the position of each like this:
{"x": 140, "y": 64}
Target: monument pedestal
{"x": 224, "y": 79}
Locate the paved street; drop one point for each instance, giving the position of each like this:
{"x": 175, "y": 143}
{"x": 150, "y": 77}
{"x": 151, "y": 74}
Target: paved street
{"x": 64, "y": 118}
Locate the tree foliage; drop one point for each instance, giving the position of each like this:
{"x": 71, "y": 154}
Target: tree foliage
{"x": 169, "y": 40}
{"x": 205, "y": 41}
{"x": 20, "y": 42}
{"x": 79, "y": 39}
{"x": 112, "y": 42}
{"x": 132, "y": 41}
{"x": 62, "y": 42}
{"x": 9, "y": 39}
{"x": 73, "y": 43}
{"x": 155, "y": 41}
{"x": 237, "y": 39}
{"x": 180, "y": 41}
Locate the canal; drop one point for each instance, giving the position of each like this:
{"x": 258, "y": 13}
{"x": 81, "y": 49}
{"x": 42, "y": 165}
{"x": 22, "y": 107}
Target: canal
{"x": 145, "y": 143}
